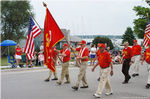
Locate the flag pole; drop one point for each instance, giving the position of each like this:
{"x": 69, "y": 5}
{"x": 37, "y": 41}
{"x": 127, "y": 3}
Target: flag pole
{"x": 147, "y": 18}
{"x": 34, "y": 19}
{"x": 45, "y": 5}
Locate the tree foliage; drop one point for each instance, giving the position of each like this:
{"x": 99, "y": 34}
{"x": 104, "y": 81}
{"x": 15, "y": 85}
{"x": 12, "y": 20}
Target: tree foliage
{"x": 14, "y": 19}
{"x": 128, "y": 36}
{"x": 141, "y": 22}
{"x": 103, "y": 40}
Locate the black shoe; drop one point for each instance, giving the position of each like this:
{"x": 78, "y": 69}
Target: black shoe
{"x": 55, "y": 79}
{"x": 125, "y": 82}
{"x": 136, "y": 74}
{"x": 133, "y": 75}
{"x": 84, "y": 87}
{"x": 46, "y": 80}
{"x": 98, "y": 79}
{"x": 75, "y": 88}
{"x": 147, "y": 86}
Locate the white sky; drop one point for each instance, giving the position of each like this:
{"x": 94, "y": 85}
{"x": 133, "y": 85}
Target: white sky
{"x": 103, "y": 17}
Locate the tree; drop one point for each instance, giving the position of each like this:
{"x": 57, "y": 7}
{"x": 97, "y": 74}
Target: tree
{"x": 14, "y": 20}
{"x": 148, "y": 2}
{"x": 128, "y": 36}
{"x": 103, "y": 40}
{"x": 141, "y": 22}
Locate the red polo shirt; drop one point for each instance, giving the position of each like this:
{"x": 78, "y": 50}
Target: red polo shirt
{"x": 136, "y": 49}
{"x": 127, "y": 53}
{"x": 147, "y": 55}
{"x": 104, "y": 59}
{"x": 18, "y": 49}
{"x": 54, "y": 53}
{"x": 68, "y": 54}
{"x": 83, "y": 52}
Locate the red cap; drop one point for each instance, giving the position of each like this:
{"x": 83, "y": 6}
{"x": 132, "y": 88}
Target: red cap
{"x": 82, "y": 42}
{"x": 135, "y": 41}
{"x": 65, "y": 44}
{"x": 101, "y": 45}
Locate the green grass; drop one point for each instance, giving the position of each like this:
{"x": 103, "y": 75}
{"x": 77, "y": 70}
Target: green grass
{"x": 4, "y": 61}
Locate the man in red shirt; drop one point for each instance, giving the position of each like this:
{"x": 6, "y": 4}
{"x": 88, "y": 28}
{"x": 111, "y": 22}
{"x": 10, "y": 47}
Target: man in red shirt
{"x": 82, "y": 59}
{"x": 136, "y": 49}
{"x": 126, "y": 55}
{"x": 18, "y": 55}
{"x": 54, "y": 55}
{"x": 105, "y": 63}
{"x": 147, "y": 59}
{"x": 65, "y": 53}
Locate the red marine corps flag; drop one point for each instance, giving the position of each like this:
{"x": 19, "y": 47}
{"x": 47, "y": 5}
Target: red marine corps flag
{"x": 52, "y": 35}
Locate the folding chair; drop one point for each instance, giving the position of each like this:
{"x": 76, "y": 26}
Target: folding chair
{"x": 12, "y": 61}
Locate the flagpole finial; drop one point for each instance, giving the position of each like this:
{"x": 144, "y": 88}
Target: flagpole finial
{"x": 44, "y": 4}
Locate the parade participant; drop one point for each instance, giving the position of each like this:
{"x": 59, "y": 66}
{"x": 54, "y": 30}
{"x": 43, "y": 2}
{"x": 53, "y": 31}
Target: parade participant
{"x": 18, "y": 55}
{"x": 105, "y": 63}
{"x": 136, "y": 49}
{"x": 147, "y": 59}
{"x": 54, "y": 55}
{"x": 65, "y": 53}
{"x": 126, "y": 55}
{"x": 83, "y": 63}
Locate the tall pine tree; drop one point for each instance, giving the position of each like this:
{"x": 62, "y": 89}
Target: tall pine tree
{"x": 128, "y": 36}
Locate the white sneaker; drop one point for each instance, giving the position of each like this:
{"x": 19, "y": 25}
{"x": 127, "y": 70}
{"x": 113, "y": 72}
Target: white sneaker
{"x": 97, "y": 95}
{"x": 108, "y": 93}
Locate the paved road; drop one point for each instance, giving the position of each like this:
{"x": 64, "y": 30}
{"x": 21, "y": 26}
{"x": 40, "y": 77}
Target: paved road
{"x": 30, "y": 84}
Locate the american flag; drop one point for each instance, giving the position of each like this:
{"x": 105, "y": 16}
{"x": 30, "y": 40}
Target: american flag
{"x": 33, "y": 31}
{"x": 147, "y": 34}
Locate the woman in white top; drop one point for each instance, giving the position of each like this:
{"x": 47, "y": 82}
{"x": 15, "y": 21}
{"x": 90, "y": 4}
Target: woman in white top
{"x": 92, "y": 54}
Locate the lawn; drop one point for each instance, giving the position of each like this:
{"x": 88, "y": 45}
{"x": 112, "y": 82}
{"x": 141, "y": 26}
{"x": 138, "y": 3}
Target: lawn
{"x": 4, "y": 61}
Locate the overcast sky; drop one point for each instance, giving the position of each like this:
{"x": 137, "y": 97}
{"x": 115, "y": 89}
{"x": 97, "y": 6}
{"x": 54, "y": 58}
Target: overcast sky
{"x": 102, "y": 17}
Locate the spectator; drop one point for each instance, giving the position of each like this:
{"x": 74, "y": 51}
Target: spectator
{"x": 92, "y": 54}
{"x": 117, "y": 59}
{"x": 42, "y": 47}
{"x": 41, "y": 58}
{"x": 18, "y": 55}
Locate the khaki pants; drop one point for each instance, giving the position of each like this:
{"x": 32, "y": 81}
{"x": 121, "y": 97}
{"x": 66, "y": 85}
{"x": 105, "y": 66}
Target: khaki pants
{"x": 136, "y": 64}
{"x": 50, "y": 74}
{"x": 104, "y": 82}
{"x": 82, "y": 74}
{"x": 148, "y": 69}
{"x": 65, "y": 72}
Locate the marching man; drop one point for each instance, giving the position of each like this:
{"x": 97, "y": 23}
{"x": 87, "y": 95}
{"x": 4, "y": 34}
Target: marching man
{"x": 136, "y": 49}
{"x": 54, "y": 55}
{"x": 126, "y": 55}
{"x": 147, "y": 59}
{"x": 83, "y": 63}
{"x": 105, "y": 63}
{"x": 65, "y": 53}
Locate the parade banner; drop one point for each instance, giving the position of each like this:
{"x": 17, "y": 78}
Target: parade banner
{"x": 52, "y": 35}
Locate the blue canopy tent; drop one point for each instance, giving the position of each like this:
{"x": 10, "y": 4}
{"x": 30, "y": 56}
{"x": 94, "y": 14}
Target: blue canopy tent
{"x": 8, "y": 43}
